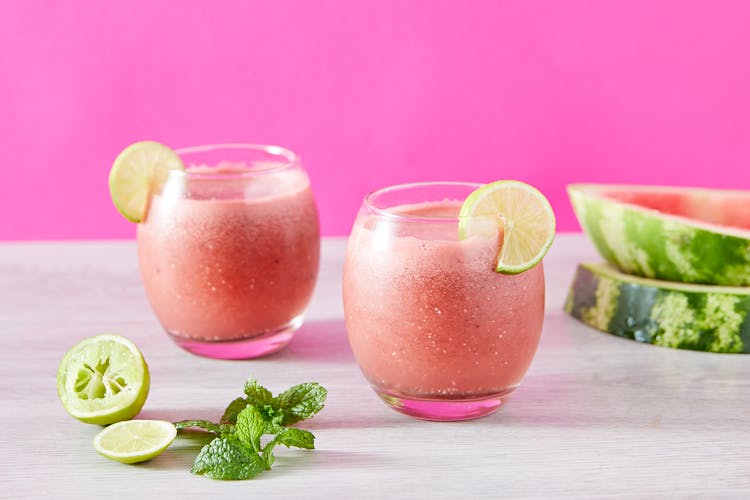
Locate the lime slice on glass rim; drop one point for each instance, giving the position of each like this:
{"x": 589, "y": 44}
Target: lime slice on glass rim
{"x": 135, "y": 172}
{"x": 135, "y": 441}
{"x": 103, "y": 379}
{"x": 526, "y": 220}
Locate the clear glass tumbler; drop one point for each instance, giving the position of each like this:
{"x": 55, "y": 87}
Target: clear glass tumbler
{"x": 229, "y": 250}
{"x": 436, "y": 331}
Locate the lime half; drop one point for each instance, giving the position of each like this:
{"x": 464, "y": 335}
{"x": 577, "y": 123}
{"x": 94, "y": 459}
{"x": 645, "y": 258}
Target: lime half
{"x": 135, "y": 172}
{"x": 103, "y": 379}
{"x": 525, "y": 217}
{"x": 135, "y": 440}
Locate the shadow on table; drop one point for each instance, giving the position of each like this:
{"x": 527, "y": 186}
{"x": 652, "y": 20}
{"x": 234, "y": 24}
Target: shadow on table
{"x": 571, "y": 401}
{"x": 212, "y": 414}
{"x": 182, "y": 453}
{"x": 544, "y": 401}
{"x": 324, "y": 340}
{"x": 329, "y": 459}
{"x": 361, "y": 422}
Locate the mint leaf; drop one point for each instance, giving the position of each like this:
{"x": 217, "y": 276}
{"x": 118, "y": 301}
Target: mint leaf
{"x": 205, "y": 425}
{"x": 250, "y": 426}
{"x": 234, "y": 409}
{"x": 288, "y": 436}
{"x": 267, "y": 454}
{"x": 257, "y": 394}
{"x": 299, "y": 438}
{"x": 300, "y": 402}
{"x": 236, "y": 452}
{"x": 228, "y": 458}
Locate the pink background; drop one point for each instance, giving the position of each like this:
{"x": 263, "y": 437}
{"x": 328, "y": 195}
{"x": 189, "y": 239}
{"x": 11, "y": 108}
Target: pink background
{"x": 370, "y": 93}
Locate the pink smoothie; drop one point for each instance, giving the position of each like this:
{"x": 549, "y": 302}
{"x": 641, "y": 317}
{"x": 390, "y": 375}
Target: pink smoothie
{"x": 427, "y": 315}
{"x": 220, "y": 268}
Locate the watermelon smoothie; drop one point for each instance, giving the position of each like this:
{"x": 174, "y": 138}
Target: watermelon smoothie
{"x": 436, "y": 331}
{"x": 229, "y": 251}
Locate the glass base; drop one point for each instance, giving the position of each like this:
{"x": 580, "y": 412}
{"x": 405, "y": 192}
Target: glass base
{"x": 244, "y": 348}
{"x": 446, "y": 410}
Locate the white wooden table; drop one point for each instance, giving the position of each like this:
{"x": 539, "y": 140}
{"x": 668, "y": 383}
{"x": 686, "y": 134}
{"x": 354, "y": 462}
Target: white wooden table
{"x": 596, "y": 415}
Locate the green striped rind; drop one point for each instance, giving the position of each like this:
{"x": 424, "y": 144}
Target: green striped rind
{"x": 655, "y": 245}
{"x": 682, "y": 316}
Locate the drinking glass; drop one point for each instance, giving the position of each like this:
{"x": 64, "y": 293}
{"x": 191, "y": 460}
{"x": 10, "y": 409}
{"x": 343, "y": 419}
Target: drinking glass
{"x": 436, "y": 331}
{"x": 229, "y": 250}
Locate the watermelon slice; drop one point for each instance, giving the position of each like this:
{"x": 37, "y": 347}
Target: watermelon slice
{"x": 688, "y": 235}
{"x": 678, "y": 315}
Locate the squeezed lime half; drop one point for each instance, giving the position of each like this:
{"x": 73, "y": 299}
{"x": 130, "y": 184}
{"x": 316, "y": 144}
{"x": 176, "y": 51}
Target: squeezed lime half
{"x": 135, "y": 441}
{"x": 524, "y": 216}
{"x": 103, "y": 379}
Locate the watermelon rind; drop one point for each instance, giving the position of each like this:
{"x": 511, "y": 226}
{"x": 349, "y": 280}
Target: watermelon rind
{"x": 668, "y": 314}
{"x": 648, "y": 243}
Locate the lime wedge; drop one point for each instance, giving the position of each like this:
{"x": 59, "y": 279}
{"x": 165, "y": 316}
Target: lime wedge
{"x": 526, "y": 220}
{"x": 135, "y": 172}
{"x": 135, "y": 441}
{"x": 103, "y": 379}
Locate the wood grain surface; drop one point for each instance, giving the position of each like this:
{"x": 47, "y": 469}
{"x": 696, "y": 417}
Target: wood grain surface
{"x": 596, "y": 416}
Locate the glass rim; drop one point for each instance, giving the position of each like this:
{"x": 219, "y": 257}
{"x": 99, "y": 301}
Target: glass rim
{"x": 289, "y": 158}
{"x": 368, "y": 201}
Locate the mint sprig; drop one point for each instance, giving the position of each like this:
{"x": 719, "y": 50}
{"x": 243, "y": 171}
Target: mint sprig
{"x": 238, "y": 451}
